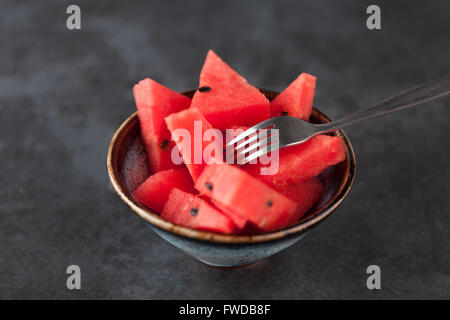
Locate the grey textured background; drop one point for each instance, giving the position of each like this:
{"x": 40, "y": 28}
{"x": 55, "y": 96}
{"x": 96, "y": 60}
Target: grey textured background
{"x": 63, "y": 93}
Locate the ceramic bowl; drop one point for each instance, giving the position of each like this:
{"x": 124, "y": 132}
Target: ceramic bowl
{"x": 127, "y": 168}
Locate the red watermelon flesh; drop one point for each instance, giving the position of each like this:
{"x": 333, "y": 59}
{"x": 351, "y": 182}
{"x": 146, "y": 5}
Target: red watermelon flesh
{"x": 154, "y": 102}
{"x": 303, "y": 161}
{"x": 192, "y": 149}
{"x": 238, "y": 220}
{"x": 191, "y": 211}
{"x": 297, "y": 99}
{"x": 305, "y": 193}
{"x": 154, "y": 192}
{"x": 248, "y": 197}
{"x": 225, "y": 98}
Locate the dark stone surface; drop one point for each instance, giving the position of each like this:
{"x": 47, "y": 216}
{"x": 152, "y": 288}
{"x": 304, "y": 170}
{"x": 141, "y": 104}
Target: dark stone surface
{"x": 63, "y": 93}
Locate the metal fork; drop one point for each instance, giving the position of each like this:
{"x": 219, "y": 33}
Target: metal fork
{"x": 262, "y": 138}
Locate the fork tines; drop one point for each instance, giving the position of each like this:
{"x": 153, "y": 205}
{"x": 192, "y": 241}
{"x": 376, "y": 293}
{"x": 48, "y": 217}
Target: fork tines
{"x": 252, "y": 144}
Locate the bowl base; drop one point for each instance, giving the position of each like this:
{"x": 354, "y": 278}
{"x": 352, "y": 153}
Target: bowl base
{"x": 230, "y": 267}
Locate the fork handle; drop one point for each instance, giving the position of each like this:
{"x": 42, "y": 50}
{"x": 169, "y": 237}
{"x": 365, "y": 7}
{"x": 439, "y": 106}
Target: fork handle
{"x": 417, "y": 95}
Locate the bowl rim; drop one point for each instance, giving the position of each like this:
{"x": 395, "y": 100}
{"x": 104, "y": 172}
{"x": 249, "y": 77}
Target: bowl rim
{"x": 155, "y": 220}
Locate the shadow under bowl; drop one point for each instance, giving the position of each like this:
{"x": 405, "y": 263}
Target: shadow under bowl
{"x": 127, "y": 169}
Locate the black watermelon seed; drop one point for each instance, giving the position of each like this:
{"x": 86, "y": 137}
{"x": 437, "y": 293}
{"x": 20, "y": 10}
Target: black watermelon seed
{"x": 209, "y": 186}
{"x": 164, "y": 144}
{"x": 204, "y": 89}
{"x": 194, "y": 211}
{"x": 284, "y": 113}
{"x": 269, "y": 203}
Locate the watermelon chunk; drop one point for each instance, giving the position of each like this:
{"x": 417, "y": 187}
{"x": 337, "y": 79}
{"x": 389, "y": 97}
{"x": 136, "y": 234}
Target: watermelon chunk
{"x": 191, "y": 211}
{"x": 297, "y": 99}
{"x": 303, "y": 161}
{"x": 305, "y": 193}
{"x": 246, "y": 196}
{"x": 154, "y": 192}
{"x": 192, "y": 147}
{"x": 225, "y": 98}
{"x": 154, "y": 102}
